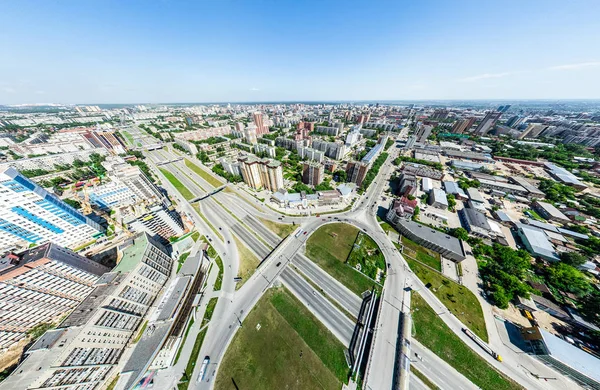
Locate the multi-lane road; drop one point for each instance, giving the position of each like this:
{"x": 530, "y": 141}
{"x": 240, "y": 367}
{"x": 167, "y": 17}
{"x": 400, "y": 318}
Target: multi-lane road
{"x": 232, "y": 216}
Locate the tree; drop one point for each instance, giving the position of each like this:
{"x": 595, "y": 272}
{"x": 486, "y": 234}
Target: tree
{"x": 460, "y": 233}
{"x": 499, "y": 296}
{"x": 340, "y": 176}
{"x": 73, "y": 203}
{"x": 566, "y": 278}
{"x": 415, "y": 216}
{"x": 573, "y": 259}
{"x": 451, "y": 202}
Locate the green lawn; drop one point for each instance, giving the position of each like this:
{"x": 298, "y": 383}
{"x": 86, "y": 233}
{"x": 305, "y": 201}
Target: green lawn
{"x": 302, "y": 353}
{"x": 329, "y": 247}
{"x": 128, "y": 137}
{"x": 458, "y": 299}
{"x": 182, "y": 260}
{"x": 219, "y": 280}
{"x": 431, "y": 331}
{"x": 195, "y": 236}
{"x": 281, "y": 229}
{"x": 366, "y": 253}
{"x": 177, "y": 184}
{"x": 424, "y": 255}
{"x": 210, "y": 309}
{"x": 210, "y": 179}
{"x": 248, "y": 262}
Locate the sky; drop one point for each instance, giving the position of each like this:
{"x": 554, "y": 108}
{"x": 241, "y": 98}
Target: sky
{"x": 154, "y": 51}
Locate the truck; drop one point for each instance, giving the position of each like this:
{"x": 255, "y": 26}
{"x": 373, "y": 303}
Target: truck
{"x": 482, "y": 344}
{"x": 203, "y": 368}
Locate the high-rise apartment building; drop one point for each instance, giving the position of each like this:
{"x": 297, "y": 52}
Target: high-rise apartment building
{"x": 440, "y": 113}
{"x": 259, "y": 121}
{"x": 488, "y": 122}
{"x": 533, "y": 130}
{"x": 261, "y": 173}
{"x": 31, "y": 215}
{"x": 84, "y": 351}
{"x": 250, "y": 133}
{"x": 312, "y": 173}
{"x": 463, "y": 125}
{"x": 41, "y": 285}
{"x": 423, "y": 132}
{"x": 356, "y": 172}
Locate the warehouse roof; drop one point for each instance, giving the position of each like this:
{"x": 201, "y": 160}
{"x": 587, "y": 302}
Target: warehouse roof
{"x": 538, "y": 241}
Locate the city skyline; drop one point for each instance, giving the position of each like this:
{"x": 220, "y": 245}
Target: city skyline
{"x": 238, "y": 52}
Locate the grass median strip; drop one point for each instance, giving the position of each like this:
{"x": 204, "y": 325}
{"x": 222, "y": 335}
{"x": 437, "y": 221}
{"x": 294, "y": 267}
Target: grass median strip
{"x": 187, "y": 195}
{"x": 458, "y": 299}
{"x": 281, "y": 229}
{"x": 433, "y": 333}
{"x": 282, "y": 345}
{"x": 423, "y": 378}
{"x": 248, "y": 262}
{"x": 210, "y": 179}
{"x": 210, "y": 309}
{"x": 189, "y": 369}
{"x": 187, "y": 331}
{"x": 219, "y": 280}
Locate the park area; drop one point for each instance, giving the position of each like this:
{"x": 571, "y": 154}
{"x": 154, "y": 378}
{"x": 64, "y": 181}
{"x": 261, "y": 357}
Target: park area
{"x": 282, "y": 345}
{"x": 330, "y": 247}
{"x": 367, "y": 258}
{"x": 431, "y": 331}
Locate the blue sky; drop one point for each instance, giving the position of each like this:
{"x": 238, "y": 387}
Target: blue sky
{"x": 219, "y": 50}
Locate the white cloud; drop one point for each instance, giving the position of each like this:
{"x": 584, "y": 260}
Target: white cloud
{"x": 487, "y": 76}
{"x": 40, "y": 92}
{"x": 581, "y": 65}
{"x": 255, "y": 89}
{"x": 8, "y": 89}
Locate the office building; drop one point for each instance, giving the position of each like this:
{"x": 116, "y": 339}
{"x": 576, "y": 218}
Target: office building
{"x": 356, "y": 172}
{"x": 30, "y": 215}
{"x": 463, "y": 125}
{"x": 39, "y": 286}
{"x": 437, "y": 198}
{"x": 448, "y": 246}
{"x": 488, "y": 122}
{"x": 158, "y": 220}
{"x": 312, "y": 173}
{"x": 408, "y": 184}
{"x": 426, "y": 184}
{"x": 87, "y": 347}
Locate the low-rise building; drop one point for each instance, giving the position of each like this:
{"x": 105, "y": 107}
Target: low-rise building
{"x": 536, "y": 242}
{"x": 564, "y": 357}
{"x": 437, "y": 198}
{"x": 446, "y": 245}
{"x": 549, "y": 212}
{"x": 475, "y": 222}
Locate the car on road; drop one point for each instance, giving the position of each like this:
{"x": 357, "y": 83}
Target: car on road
{"x": 278, "y": 264}
{"x": 305, "y": 233}
{"x": 203, "y": 369}
{"x": 229, "y": 242}
{"x": 220, "y": 228}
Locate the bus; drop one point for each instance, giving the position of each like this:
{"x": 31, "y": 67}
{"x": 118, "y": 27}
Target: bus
{"x": 202, "y": 372}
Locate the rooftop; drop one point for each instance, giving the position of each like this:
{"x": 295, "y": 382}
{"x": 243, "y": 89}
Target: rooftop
{"x": 538, "y": 241}
{"x": 571, "y": 356}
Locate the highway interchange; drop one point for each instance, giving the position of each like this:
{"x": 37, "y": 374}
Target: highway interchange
{"x": 231, "y": 213}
